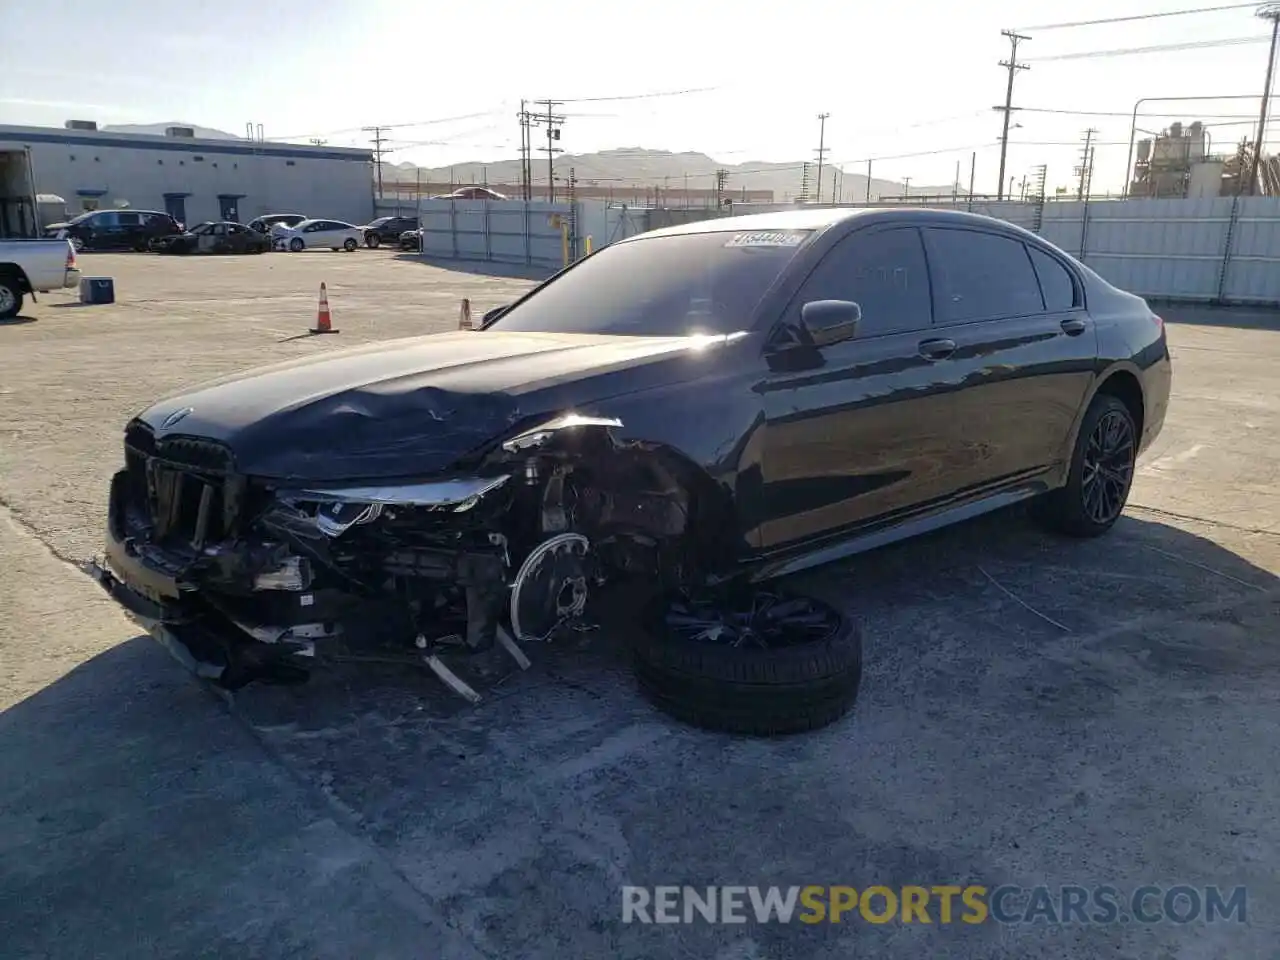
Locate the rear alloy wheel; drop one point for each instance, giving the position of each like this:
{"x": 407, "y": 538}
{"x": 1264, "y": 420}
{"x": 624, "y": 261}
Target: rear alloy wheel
{"x": 754, "y": 661}
{"x": 296, "y": 244}
{"x": 349, "y": 244}
{"x": 1101, "y": 472}
{"x": 372, "y": 241}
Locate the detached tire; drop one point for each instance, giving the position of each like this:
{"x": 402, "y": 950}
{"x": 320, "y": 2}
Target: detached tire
{"x": 687, "y": 667}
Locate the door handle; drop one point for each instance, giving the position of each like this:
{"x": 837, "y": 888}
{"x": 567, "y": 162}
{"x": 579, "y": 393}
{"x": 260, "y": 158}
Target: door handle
{"x": 1073, "y": 326}
{"x": 937, "y": 349}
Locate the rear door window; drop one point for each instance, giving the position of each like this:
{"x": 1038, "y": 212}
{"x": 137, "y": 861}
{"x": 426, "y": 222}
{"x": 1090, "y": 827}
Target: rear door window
{"x": 884, "y": 272}
{"x": 980, "y": 276}
{"x": 1056, "y": 284}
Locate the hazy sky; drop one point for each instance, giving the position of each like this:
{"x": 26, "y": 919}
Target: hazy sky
{"x": 897, "y": 78}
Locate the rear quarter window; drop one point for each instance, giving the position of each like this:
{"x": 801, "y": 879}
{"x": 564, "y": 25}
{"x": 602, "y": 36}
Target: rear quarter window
{"x": 1055, "y": 282}
{"x": 980, "y": 276}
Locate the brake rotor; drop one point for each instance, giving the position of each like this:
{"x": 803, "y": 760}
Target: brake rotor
{"x": 551, "y": 587}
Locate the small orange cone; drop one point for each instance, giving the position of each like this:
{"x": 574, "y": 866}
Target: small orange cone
{"x": 324, "y": 323}
{"x": 464, "y": 315}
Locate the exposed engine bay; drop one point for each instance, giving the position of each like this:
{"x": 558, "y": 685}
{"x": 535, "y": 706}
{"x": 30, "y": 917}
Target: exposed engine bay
{"x": 261, "y": 576}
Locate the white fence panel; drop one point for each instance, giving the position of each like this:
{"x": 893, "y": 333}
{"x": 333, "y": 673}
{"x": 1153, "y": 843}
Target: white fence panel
{"x": 1168, "y": 248}
{"x": 1253, "y": 271}
{"x": 1215, "y": 249}
{"x": 502, "y": 231}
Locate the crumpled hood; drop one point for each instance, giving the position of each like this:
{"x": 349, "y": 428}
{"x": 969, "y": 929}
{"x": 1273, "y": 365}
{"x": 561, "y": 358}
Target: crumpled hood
{"x": 395, "y": 408}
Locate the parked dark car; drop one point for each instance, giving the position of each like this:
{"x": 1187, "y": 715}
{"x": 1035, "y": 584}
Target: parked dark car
{"x": 114, "y": 229}
{"x": 411, "y": 239}
{"x": 472, "y": 193}
{"x": 387, "y": 230}
{"x": 264, "y": 223}
{"x": 222, "y": 236}
{"x": 712, "y": 404}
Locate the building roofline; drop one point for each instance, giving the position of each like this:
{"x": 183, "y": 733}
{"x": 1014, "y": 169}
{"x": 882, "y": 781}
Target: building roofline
{"x": 151, "y": 141}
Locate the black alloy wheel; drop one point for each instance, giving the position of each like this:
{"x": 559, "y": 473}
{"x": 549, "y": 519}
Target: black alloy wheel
{"x": 762, "y": 620}
{"x": 1100, "y": 474}
{"x": 1108, "y": 467}
{"x": 372, "y": 240}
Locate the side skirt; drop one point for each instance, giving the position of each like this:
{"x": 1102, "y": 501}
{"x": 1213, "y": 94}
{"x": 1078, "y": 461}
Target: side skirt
{"x": 864, "y": 539}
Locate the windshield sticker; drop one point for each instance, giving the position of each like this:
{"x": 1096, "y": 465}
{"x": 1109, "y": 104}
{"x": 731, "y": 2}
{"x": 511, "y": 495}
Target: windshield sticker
{"x": 773, "y": 239}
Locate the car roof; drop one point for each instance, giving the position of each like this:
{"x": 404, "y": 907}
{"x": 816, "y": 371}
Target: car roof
{"x": 823, "y": 218}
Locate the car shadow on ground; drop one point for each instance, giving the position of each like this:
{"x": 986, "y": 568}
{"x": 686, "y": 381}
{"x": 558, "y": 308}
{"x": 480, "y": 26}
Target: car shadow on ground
{"x": 1205, "y": 315}
{"x": 1034, "y": 710}
{"x": 17, "y": 321}
{"x": 509, "y": 271}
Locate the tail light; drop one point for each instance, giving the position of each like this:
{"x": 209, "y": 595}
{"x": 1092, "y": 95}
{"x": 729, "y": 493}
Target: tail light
{"x": 1159, "y": 321}
{"x": 71, "y": 256}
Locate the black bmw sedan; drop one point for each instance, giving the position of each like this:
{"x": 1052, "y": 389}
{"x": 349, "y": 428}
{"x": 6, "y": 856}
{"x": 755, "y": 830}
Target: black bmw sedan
{"x": 730, "y": 400}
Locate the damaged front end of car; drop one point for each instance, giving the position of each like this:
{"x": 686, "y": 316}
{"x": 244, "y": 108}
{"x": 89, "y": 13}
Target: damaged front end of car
{"x": 250, "y": 578}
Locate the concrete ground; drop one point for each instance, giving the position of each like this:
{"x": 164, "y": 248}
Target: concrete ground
{"x": 1033, "y": 712}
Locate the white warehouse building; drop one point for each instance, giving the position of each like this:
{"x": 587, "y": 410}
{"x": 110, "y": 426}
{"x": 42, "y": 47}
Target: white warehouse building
{"x": 47, "y": 174}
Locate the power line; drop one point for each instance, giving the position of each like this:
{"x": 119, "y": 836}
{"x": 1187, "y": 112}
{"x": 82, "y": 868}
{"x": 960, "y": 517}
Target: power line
{"x": 393, "y": 126}
{"x": 1127, "y": 114}
{"x": 1139, "y": 16}
{"x": 638, "y": 96}
{"x": 1154, "y": 48}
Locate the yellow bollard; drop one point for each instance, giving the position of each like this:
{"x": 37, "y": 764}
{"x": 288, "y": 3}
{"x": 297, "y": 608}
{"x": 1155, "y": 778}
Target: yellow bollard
{"x": 588, "y": 245}
{"x": 564, "y": 242}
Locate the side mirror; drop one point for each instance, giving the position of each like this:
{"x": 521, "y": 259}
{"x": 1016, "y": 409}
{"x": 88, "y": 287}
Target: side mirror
{"x": 830, "y": 321}
{"x": 493, "y": 314}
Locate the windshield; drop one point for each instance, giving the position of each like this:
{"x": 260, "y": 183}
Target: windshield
{"x": 679, "y": 285}
{"x": 380, "y": 221}
{"x": 203, "y": 229}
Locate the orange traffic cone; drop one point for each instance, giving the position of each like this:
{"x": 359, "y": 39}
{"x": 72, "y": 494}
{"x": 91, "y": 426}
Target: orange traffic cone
{"x": 464, "y": 315}
{"x": 324, "y": 324}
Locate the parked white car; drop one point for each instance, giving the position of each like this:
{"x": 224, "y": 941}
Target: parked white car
{"x": 318, "y": 234}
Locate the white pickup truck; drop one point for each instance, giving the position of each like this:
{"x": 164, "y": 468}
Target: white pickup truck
{"x": 28, "y": 266}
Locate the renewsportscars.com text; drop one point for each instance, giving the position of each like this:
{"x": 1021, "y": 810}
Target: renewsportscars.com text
{"x": 939, "y": 903}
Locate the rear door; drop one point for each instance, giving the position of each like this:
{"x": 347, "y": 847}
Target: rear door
{"x": 128, "y": 232}
{"x": 858, "y": 431}
{"x": 1015, "y": 345}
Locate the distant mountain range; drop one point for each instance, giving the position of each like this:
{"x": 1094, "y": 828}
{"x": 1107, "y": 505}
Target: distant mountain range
{"x": 158, "y": 129}
{"x": 625, "y": 167}
{"x": 629, "y": 167}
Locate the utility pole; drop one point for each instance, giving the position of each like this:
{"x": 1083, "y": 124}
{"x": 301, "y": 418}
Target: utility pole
{"x": 973, "y": 169}
{"x": 1086, "y": 164}
{"x": 868, "y": 181}
{"x": 906, "y": 187}
{"x": 1013, "y": 66}
{"x": 822, "y": 139}
{"x": 553, "y": 123}
{"x": 1269, "y": 12}
{"x": 722, "y": 177}
{"x": 523, "y": 117}
{"x": 378, "y": 150}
